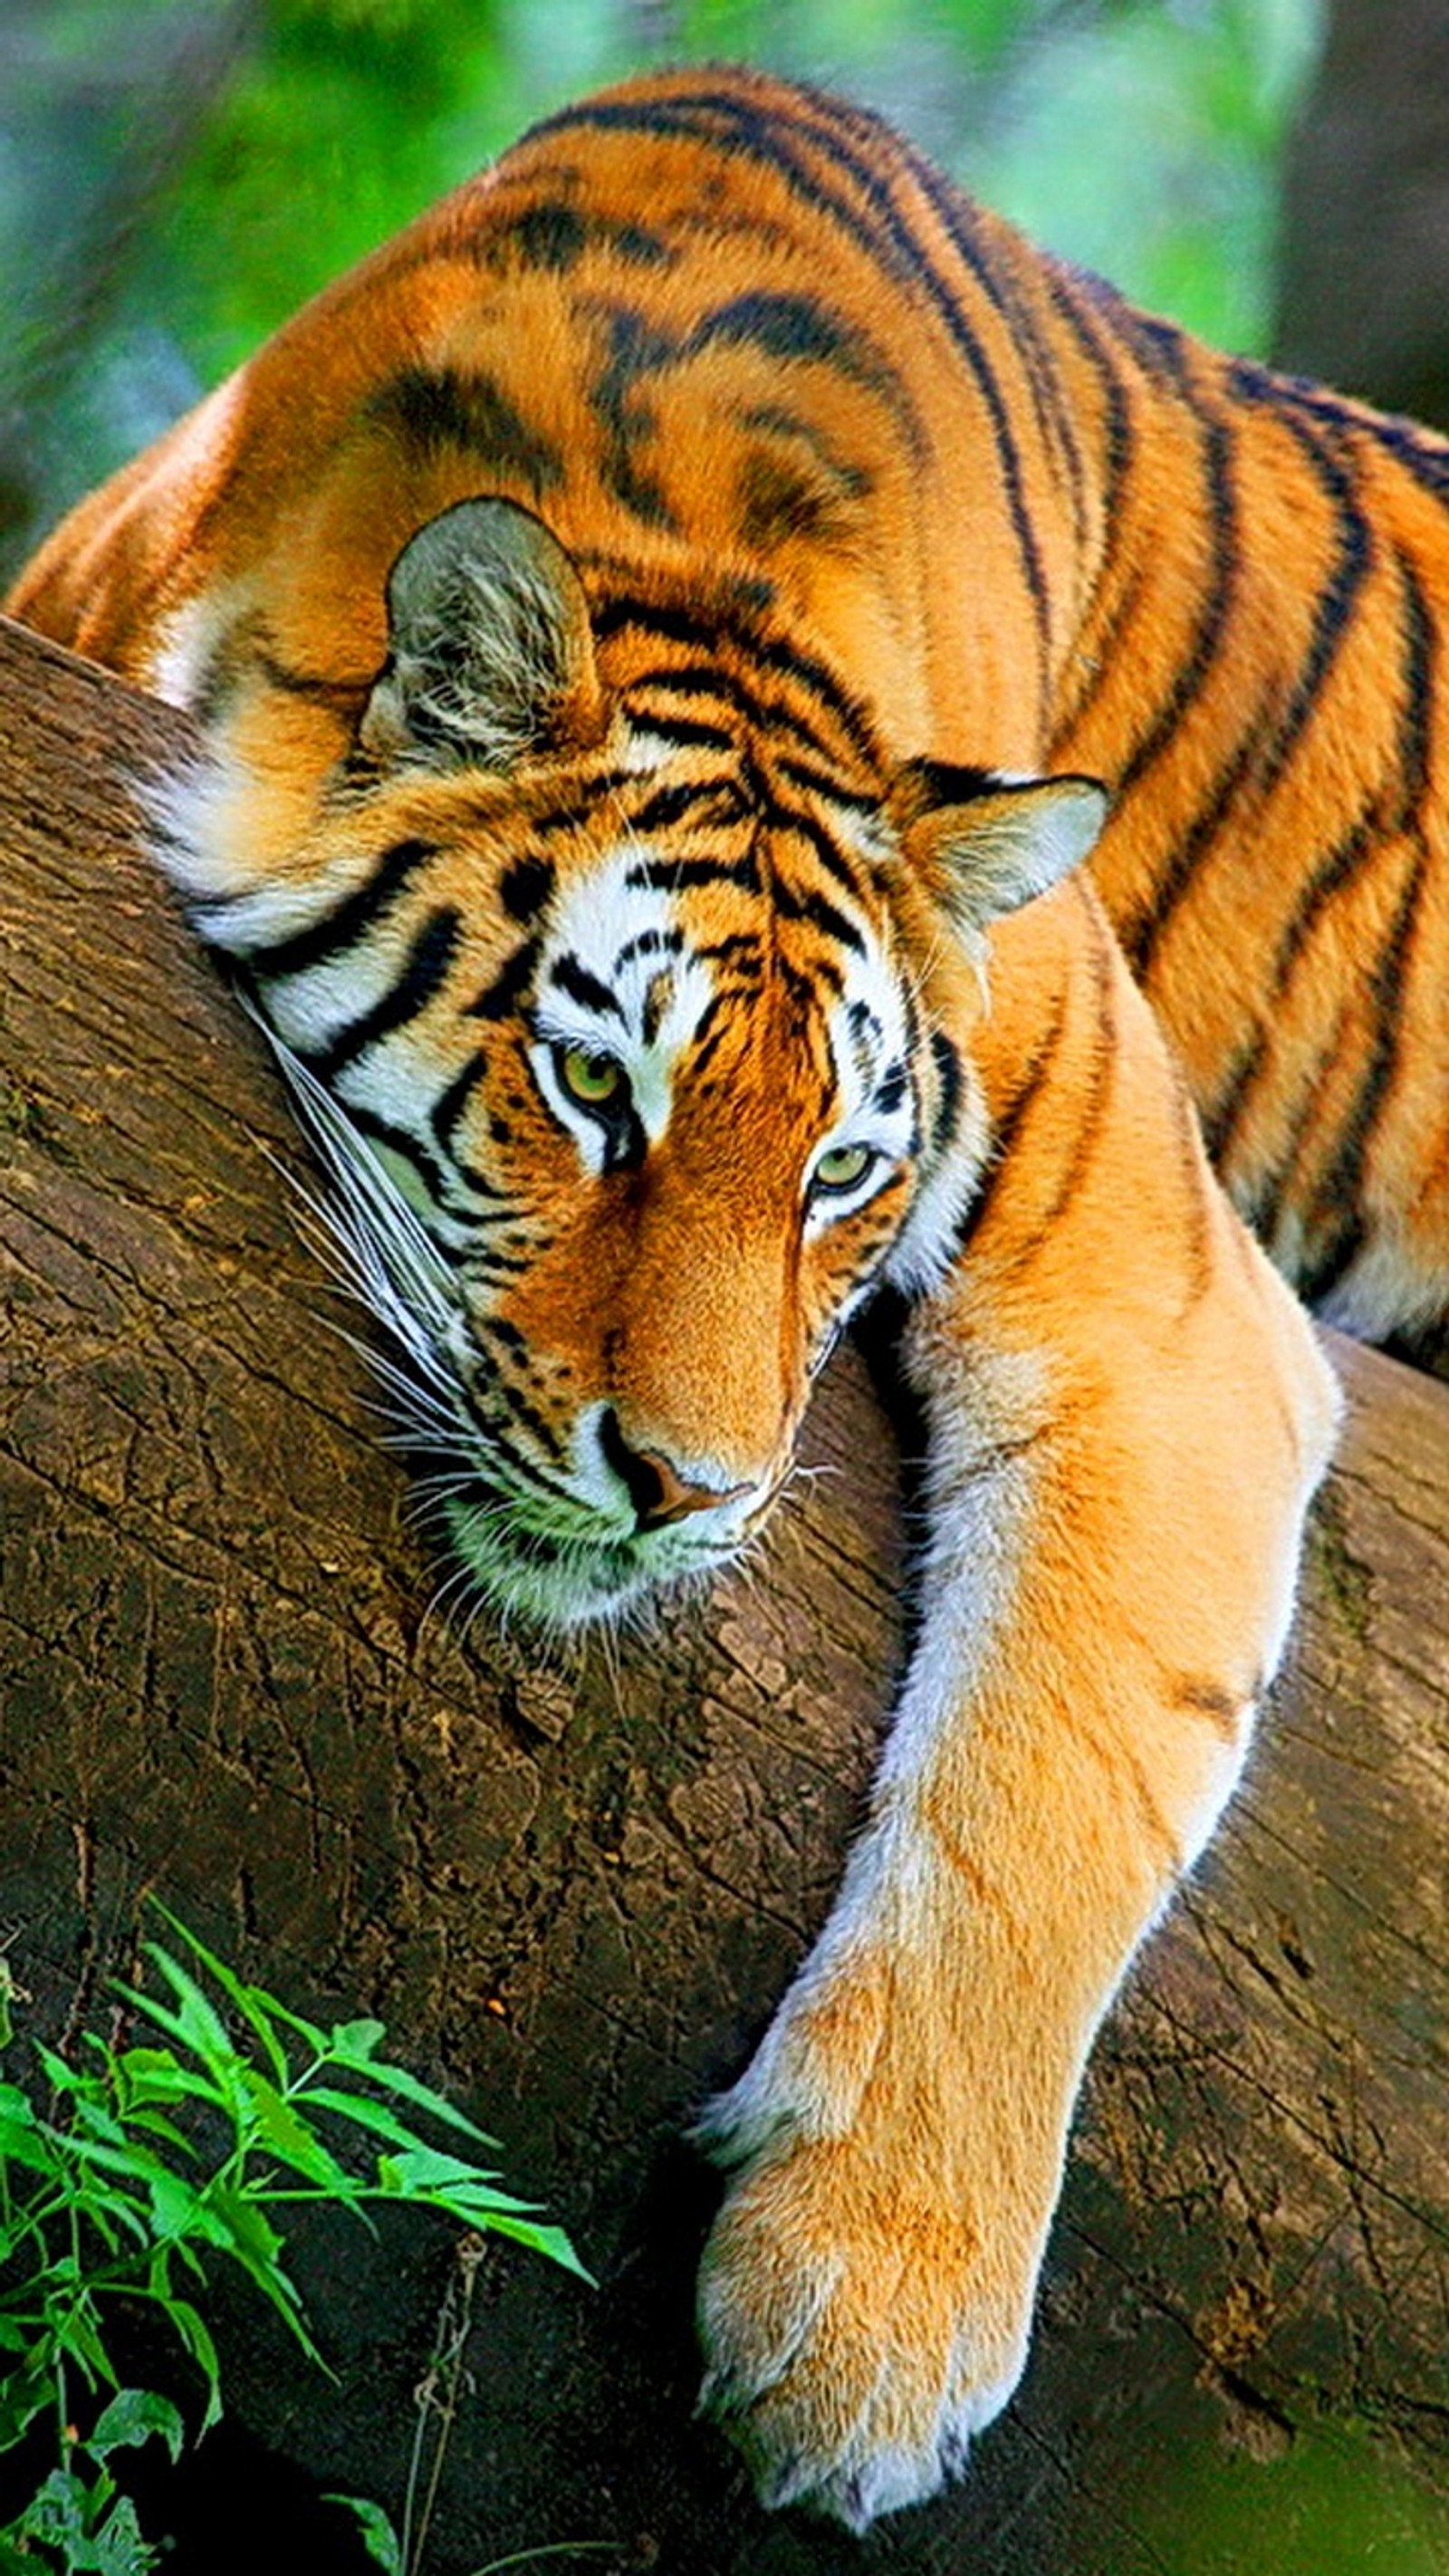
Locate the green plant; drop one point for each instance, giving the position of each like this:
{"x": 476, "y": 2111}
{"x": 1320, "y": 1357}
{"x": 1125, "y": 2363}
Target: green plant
{"x": 152, "y": 2161}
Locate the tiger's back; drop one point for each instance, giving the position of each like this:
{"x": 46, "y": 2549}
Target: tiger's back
{"x": 742, "y": 340}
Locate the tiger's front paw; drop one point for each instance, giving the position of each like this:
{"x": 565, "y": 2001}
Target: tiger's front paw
{"x": 858, "y": 2328}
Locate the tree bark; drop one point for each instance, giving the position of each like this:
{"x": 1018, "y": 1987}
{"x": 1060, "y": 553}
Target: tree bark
{"x": 573, "y": 1884}
{"x": 1364, "y": 251}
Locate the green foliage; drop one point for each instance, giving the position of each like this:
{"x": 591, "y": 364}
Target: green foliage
{"x": 1145, "y": 145}
{"x": 150, "y": 2163}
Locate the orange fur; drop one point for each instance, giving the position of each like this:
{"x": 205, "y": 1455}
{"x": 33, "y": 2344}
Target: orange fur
{"x": 630, "y": 618}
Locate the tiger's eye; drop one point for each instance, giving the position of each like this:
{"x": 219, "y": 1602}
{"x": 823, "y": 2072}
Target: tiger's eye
{"x": 592, "y": 1080}
{"x": 842, "y": 1167}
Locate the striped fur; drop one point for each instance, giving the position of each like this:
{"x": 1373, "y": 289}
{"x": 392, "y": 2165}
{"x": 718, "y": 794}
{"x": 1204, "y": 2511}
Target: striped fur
{"x": 654, "y": 628}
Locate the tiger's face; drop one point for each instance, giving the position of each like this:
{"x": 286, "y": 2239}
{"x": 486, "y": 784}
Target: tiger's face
{"x": 637, "y": 1039}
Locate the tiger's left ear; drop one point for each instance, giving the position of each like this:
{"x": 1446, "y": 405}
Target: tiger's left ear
{"x": 490, "y": 651}
{"x": 986, "y": 844}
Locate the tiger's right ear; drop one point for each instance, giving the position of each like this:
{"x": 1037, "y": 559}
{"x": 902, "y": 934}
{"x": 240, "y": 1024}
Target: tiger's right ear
{"x": 490, "y": 652}
{"x": 985, "y": 843}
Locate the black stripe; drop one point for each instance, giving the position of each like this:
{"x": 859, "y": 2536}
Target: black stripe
{"x": 347, "y": 922}
{"x": 683, "y": 733}
{"x": 544, "y": 821}
{"x": 1269, "y": 749}
{"x": 1142, "y": 932}
{"x": 1117, "y": 451}
{"x": 890, "y": 1091}
{"x": 517, "y": 1403}
{"x": 636, "y": 349}
{"x": 422, "y": 978}
{"x": 434, "y": 408}
{"x": 949, "y": 1090}
{"x": 525, "y": 888}
{"x": 1090, "y": 1095}
{"x": 484, "y": 1259}
{"x": 709, "y": 680}
{"x": 1339, "y": 596}
{"x": 828, "y": 851}
{"x": 666, "y": 806}
{"x": 742, "y": 950}
{"x": 802, "y": 903}
{"x": 1421, "y": 452}
{"x": 1343, "y": 864}
{"x": 671, "y": 876}
{"x": 402, "y": 1142}
{"x": 575, "y": 979}
{"x": 508, "y": 986}
{"x": 340, "y": 696}
{"x": 1219, "y": 509}
{"x": 799, "y": 327}
{"x": 773, "y": 140}
{"x": 1420, "y": 640}
{"x": 450, "y": 1107}
{"x": 823, "y": 782}
{"x": 702, "y": 629}
{"x": 713, "y": 1025}
{"x": 1006, "y": 1134}
{"x": 1219, "y": 1118}
{"x": 650, "y": 943}
{"x": 552, "y": 235}
{"x": 1338, "y": 1197}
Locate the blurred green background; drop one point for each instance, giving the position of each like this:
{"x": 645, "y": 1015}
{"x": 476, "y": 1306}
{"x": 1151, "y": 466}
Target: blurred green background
{"x": 176, "y": 175}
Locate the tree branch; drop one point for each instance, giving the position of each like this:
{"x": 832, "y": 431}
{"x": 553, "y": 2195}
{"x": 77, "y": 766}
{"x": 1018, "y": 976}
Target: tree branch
{"x": 576, "y": 1883}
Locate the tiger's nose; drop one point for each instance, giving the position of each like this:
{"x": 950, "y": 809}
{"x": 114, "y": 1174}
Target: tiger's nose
{"x": 655, "y": 1486}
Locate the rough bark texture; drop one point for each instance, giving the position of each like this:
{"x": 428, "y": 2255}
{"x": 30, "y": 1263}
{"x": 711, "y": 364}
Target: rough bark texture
{"x": 1364, "y": 252}
{"x": 573, "y": 1888}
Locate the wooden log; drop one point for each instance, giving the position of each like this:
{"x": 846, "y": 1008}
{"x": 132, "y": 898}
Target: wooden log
{"x": 573, "y": 1884}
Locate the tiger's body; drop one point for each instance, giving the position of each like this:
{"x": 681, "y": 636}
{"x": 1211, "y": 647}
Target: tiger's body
{"x": 630, "y": 619}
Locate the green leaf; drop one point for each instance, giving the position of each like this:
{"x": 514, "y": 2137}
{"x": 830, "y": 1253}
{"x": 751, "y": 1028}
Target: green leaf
{"x": 26, "y": 2392}
{"x": 253, "y": 2002}
{"x": 61, "y": 2076}
{"x": 173, "y": 2203}
{"x": 355, "y": 2043}
{"x": 363, "y": 2113}
{"x": 422, "y": 2168}
{"x": 140, "y": 2165}
{"x": 23, "y": 2140}
{"x": 278, "y": 2123}
{"x": 78, "y": 2335}
{"x": 131, "y": 2418}
{"x": 16, "y": 2105}
{"x": 535, "y": 2233}
{"x": 121, "y": 2548}
{"x": 426, "y": 2179}
{"x": 375, "y": 2530}
{"x": 228, "y": 2217}
{"x": 194, "y": 2333}
{"x": 148, "y": 2075}
{"x": 200, "y": 2022}
{"x": 315, "y": 2038}
{"x": 59, "y": 2512}
{"x": 156, "y": 2125}
{"x": 396, "y": 2080}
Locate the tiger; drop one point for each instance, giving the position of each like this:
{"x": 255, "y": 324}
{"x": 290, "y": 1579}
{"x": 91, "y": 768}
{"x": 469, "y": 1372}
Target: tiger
{"x": 767, "y": 745}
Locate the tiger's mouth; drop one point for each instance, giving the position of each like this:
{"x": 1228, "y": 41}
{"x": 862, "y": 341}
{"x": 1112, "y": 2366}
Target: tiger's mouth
{"x": 560, "y": 1566}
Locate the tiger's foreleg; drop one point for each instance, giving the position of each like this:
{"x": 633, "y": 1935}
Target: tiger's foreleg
{"x": 1125, "y": 1427}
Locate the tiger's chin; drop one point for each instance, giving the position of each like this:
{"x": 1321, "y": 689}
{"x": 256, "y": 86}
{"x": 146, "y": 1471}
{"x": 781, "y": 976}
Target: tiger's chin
{"x": 556, "y": 1573}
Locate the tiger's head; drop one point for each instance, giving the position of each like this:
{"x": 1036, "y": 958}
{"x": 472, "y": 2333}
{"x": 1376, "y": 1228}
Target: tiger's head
{"x": 630, "y": 995}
